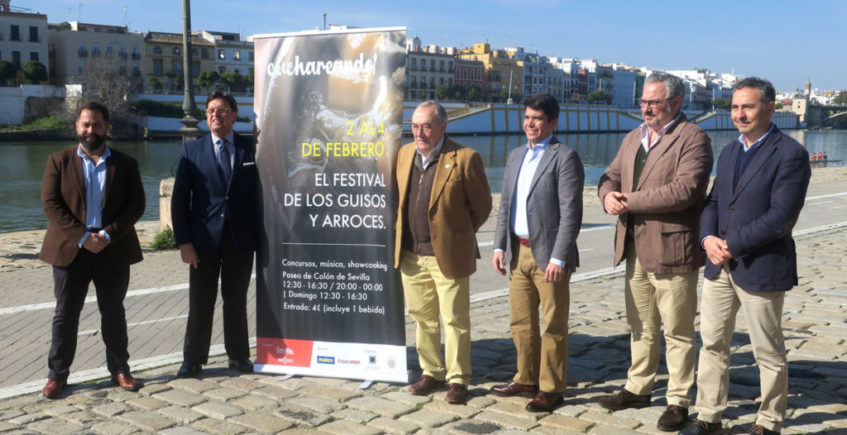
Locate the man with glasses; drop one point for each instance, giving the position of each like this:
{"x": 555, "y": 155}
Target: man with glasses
{"x": 656, "y": 186}
{"x": 216, "y": 219}
{"x": 444, "y": 199}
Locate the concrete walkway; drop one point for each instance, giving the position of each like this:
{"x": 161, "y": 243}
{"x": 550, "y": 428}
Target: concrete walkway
{"x": 222, "y": 401}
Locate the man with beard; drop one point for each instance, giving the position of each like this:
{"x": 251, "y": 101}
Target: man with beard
{"x": 92, "y": 196}
{"x": 656, "y": 186}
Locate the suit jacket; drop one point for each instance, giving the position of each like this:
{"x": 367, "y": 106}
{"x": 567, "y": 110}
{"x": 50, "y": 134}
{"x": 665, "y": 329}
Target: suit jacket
{"x": 201, "y": 197}
{"x": 459, "y": 204}
{"x": 666, "y": 204}
{"x": 756, "y": 217}
{"x": 63, "y": 201}
{"x": 554, "y": 205}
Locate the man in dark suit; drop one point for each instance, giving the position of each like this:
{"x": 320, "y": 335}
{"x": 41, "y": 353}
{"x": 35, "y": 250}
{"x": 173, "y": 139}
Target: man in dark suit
{"x": 92, "y": 196}
{"x": 656, "y": 186}
{"x": 444, "y": 199}
{"x": 759, "y": 190}
{"x": 537, "y": 226}
{"x": 216, "y": 219}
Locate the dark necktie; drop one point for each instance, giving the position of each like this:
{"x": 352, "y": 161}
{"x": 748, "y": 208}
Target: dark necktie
{"x": 224, "y": 161}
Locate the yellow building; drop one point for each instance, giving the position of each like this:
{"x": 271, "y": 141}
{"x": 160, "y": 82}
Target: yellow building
{"x": 500, "y": 71}
{"x": 163, "y": 59}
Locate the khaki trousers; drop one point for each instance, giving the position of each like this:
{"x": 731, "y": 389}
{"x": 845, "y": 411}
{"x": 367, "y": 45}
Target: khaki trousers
{"x": 722, "y": 298}
{"x": 542, "y": 356}
{"x": 653, "y": 299}
{"x": 429, "y": 293}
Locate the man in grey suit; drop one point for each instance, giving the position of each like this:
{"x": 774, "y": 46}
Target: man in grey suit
{"x": 537, "y": 226}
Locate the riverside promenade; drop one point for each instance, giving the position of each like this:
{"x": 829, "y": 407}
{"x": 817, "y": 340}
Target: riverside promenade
{"x": 223, "y": 401}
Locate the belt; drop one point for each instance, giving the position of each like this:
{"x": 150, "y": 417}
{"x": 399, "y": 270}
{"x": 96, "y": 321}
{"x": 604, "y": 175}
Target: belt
{"x": 522, "y": 241}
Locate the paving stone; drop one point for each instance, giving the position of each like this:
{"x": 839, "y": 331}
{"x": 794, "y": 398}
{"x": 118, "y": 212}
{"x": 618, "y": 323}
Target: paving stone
{"x": 180, "y": 414}
{"x": 83, "y": 418}
{"x": 354, "y": 415}
{"x": 147, "y": 403}
{"x": 193, "y": 385}
{"x": 218, "y": 410}
{"x": 407, "y": 398}
{"x": 565, "y": 423}
{"x": 111, "y": 409}
{"x": 182, "y": 430}
{"x": 212, "y": 425}
{"x": 462, "y": 412}
{"x": 57, "y": 410}
{"x": 242, "y": 384}
{"x": 610, "y": 419}
{"x": 338, "y": 394}
{"x": 428, "y": 418}
{"x": 146, "y": 420}
{"x": 28, "y": 418}
{"x": 320, "y": 405}
{"x": 301, "y": 415}
{"x": 348, "y": 428}
{"x": 254, "y": 402}
{"x": 55, "y": 425}
{"x": 150, "y": 390}
{"x": 224, "y": 394}
{"x": 603, "y": 429}
{"x": 275, "y": 393}
{"x": 389, "y": 425}
{"x": 110, "y": 427}
{"x": 261, "y": 422}
{"x": 514, "y": 406}
{"x": 505, "y": 420}
{"x": 6, "y": 414}
{"x": 381, "y": 406}
{"x": 180, "y": 398}
{"x": 472, "y": 427}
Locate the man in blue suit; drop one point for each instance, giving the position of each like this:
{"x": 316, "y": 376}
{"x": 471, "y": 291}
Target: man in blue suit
{"x": 745, "y": 229}
{"x": 216, "y": 216}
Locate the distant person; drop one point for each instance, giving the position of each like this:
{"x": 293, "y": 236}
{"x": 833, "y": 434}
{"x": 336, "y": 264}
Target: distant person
{"x": 535, "y": 240}
{"x": 824, "y": 156}
{"x": 759, "y": 190}
{"x": 92, "y": 196}
{"x": 656, "y": 186}
{"x": 444, "y": 200}
{"x": 216, "y": 220}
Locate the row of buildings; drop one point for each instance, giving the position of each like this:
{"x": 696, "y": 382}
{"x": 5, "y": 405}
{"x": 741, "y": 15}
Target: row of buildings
{"x": 475, "y": 73}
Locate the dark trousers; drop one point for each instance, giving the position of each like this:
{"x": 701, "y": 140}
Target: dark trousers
{"x": 70, "y": 287}
{"x": 234, "y": 268}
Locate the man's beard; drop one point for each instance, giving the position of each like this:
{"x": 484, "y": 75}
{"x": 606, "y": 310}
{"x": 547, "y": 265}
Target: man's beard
{"x": 91, "y": 141}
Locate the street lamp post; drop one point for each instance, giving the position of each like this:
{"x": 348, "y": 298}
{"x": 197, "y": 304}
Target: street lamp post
{"x": 189, "y": 130}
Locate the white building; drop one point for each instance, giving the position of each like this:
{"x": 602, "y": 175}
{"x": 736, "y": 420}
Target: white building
{"x": 23, "y": 36}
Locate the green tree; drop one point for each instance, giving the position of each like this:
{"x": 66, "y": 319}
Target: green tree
{"x": 474, "y": 94}
{"x": 232, "y": 80}
{"x": 7, "y": 71}
{"x": 441, "y": 92}
{"x": 154, "y": 83}
{"x": 457, "y": 92}
{"x": 778, "y": 105}
{"x": 599, "y": 97}
{"x": 840, "y": 99}
{"x": 178, "y": 82}
{"x": 207, "y": 79}
{"x": 64, "y": 25}
{"x": 721, "y": 103}
{"x": 35, "y": 71}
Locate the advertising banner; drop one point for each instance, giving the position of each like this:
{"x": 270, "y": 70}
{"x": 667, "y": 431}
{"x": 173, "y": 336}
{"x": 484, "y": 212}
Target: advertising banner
{"x": 328, "y": 124}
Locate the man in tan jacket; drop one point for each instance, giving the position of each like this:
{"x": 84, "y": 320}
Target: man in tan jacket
{"x": 656, "y": 186}
{"x": 444, "y": 199}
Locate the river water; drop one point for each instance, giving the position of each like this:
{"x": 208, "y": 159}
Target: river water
{"x": 22, "y": 165}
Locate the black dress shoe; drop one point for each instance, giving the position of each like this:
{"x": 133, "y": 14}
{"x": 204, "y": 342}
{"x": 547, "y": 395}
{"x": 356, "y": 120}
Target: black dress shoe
{"x": 189, "y": 370}
{"x": 242, "y": 365}
{"x": 700, "y": 427}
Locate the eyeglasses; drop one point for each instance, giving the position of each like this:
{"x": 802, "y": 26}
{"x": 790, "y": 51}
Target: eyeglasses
{"x": 223, "y": 111}
{"x": 653, "y": 103}
{"x": 425, "y": 127}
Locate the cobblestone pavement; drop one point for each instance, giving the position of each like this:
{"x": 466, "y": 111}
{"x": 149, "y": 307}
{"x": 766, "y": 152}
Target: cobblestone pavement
{"x": 222, "y": 401}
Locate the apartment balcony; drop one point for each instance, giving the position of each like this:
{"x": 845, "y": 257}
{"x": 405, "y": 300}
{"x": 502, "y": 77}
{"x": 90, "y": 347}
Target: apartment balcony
{"x": 123, "y": 56}
{"x": 83, "y": 52}
{"x": 136, "y": 56}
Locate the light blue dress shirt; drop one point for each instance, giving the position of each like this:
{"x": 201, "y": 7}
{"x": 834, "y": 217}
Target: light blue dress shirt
{"x": 94, "y": 176}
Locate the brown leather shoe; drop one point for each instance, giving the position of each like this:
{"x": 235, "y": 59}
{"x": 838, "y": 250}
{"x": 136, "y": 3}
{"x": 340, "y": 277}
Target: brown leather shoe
{"x": 126, "y": 381}
{"x": 673, "y": 419}
{"x": 514, "y": 388}
{"x": 457, "y": 394}
{"x": 623, "y": 399}
{"x": 545, "y": 402}
{"x": 425, "y": 385}
{"x": 54, "y": 388}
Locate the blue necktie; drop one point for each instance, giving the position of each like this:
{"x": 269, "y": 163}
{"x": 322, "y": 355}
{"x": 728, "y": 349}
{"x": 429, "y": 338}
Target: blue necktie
{"x": 223, "y": 161}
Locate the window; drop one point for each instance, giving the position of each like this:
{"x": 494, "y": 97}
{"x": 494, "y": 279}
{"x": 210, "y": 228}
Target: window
{"x": 250, "y": 56}
{"x": 122, "y": 52}
{"x": 82, "y": 51}
{"x": 81, "y": 65}
{"x": 157, "y": 49}
{"x": 109, "y": 50}
{"x": 195, "y": 68}
{"x": 95, "y": 50}
{"x": 204, "y": 53}
{"x": 193, "y": 52}
{"x": 237, "y": 55}
{"x": 33, "y": 33}
{"x": 33, "y": 55}
{"x": 16, "y": 59}
{"x": 176, "y": 67}
{"x": 221, "y": 54}
{"x": 158, "y": 67}
{"x": 135, "y": 53}
{"x": 176, "y": 51}
{"x": 221, "y": 69}
{"x": 15, "y": 33}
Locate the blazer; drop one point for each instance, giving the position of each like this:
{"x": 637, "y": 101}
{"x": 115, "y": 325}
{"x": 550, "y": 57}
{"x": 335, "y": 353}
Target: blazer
{"x": 63, "y": 201}
{"x": 202, "y": 200}
{"x": 459, "y": 204}
{"x": 666, "y": 204}
{"x": 554, "y": 205}
{"x": 757, "y": 215}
